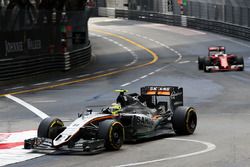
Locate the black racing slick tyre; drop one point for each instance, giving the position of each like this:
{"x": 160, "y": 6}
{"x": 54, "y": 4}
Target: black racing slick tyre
{"x": 206, "y": 63}
{"x": 240, "y": 61}
{"x": 50, "y": 128}
{"x": 201, "y": 63}
{"x": 184, "y": 120}
{"x": 113, "y": 134}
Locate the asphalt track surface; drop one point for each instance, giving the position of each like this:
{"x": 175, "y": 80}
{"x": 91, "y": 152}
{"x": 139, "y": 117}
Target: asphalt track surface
{"x": 124, "y": 58}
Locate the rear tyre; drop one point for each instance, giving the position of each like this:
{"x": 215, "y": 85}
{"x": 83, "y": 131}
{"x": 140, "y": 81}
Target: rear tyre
{"x": 201, "y": 63}
{"x": 184, "y": 120}
{"x": 240, "y": 61}
{"x": 50, "y": 128}
{"x": 113, "y": 134}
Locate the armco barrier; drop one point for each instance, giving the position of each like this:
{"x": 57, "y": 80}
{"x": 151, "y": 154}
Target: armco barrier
{"x": 18, "y": 67}
{"x": 148, "y": 16}
{"x": 106, "y": 12}
{"x": 190, "y": 22}
{"x": 219, "y": 27}
{"x": 77, "y": 58}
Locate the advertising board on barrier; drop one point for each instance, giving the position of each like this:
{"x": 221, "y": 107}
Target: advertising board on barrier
{"x": 19, "y": 43}
{"x": 78, "y": 37}
{"x": 18, "y": 46}
{"x": 43, "y": 36}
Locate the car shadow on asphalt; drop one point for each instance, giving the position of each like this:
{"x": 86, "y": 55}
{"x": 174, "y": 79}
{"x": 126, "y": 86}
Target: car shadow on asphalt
{"x": 151, "y": 139}
{"x": 78, "y": 153}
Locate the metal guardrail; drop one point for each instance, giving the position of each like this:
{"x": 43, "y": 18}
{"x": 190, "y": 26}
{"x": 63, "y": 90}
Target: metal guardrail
{"x": 77, "y": 58}
{"x": 106, "y": 12}
{"x": 148, "y": 16}
{"x": 219, "y": 27}
{"x": 18, "y": 67}
{"x": 185, "y": 21}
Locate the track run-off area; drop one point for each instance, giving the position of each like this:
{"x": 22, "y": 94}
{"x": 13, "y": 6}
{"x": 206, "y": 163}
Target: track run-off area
{"x": 128, "y": 55}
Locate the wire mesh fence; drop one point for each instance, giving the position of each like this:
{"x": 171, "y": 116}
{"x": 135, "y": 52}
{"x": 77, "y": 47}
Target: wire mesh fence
{"x": 235, "y": 14}
{"x": 161, "y": 6}
{"x": 230, "y": 11}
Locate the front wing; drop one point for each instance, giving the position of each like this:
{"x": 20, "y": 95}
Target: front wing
{"x": 45, "y": 144}
{"x": 229, "y": 68}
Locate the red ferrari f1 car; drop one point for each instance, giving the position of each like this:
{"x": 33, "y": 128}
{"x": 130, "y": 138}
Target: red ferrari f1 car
{"x": 218, "y": 60}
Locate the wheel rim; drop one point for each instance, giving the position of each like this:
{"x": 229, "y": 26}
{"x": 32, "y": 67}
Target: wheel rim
{"x": 57, "y": 123}
{"x": 116, "y": 136}
{"x": 192, "y": 122}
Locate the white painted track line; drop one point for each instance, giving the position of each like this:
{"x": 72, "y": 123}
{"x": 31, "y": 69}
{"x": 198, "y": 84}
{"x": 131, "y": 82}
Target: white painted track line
{"x": 147, "y": 38}
{"x": 84, "y": 75}
{"x": 135, "y": 56}
{"x": 14, "y": 88}
{"x": 16, "y": 154}
{"x": 126, "y": 84}
{"x": 42, "y": 83}
{"x": 64, "y": 79}
{"x": 183, "y": 62}
{"x": 28, "y": 106}
{"x": 209, "y": 147}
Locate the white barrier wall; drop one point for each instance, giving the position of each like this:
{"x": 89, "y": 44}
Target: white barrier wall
{"x": 106, "y": 12}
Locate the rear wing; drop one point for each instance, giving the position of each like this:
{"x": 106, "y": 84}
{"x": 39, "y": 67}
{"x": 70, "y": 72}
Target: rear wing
{"x": 217, "y": 48}
{"x": 175, "y": 94}
{"x": 160, "y": 90}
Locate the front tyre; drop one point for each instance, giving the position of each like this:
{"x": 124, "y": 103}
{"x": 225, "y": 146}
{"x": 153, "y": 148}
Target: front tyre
{"x": 240, "y": 61}
{"x": 184, "y": 120}
{"x": 50, "y": 128}
{"x": 113, "y": 134}
{"x": 206, "y": 64}
{"x": 201, "y": 63}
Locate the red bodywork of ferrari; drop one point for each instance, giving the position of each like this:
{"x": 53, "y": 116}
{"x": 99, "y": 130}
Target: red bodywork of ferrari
{"x": 223, "y": 62}
{"x": 218, "y": 60}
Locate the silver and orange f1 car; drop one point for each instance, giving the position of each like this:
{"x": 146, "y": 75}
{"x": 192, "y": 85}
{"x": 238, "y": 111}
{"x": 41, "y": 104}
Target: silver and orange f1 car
{"x": 219, "y": 60}
{"x": 157, "y": 110}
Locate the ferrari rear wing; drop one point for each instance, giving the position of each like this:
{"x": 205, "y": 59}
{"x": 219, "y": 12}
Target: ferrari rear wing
{"x": 217, "y": 48}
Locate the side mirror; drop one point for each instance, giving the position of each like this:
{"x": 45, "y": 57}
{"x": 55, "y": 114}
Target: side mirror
{"x": 79, "y": 115}
{"x": 89, "y": 111}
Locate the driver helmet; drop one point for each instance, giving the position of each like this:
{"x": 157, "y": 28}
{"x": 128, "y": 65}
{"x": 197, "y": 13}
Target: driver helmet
{"x": 115, "y": 108}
